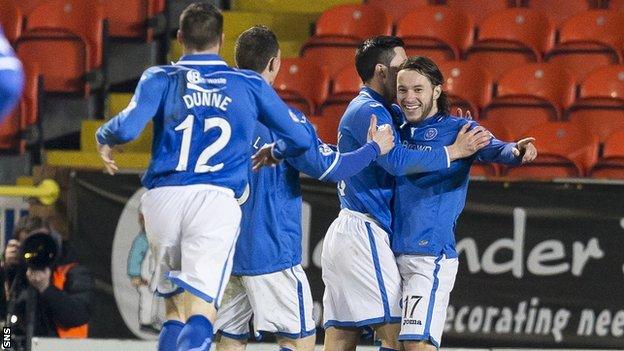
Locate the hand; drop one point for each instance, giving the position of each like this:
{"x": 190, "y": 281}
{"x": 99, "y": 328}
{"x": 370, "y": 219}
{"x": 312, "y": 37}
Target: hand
{"x": 383, "y": 136}
{"x": 39, "y": 279}
{"x": 264, "y": 157}
{"x": 106, "y": 153}
{"x": 11, "y": 253}
{"x": 525, "y": 149}
{"x": 469, "y": 142}
{"x": 460, "y": 114}
{"x": 137, "y": 281}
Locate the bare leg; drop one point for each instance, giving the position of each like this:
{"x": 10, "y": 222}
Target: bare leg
{"x": 303, "y": 344}
{"x": 341, "y": 339}
{"x": 418, "y": 346}
{"x": 389, "y": 335}
{"x": 229, "y": 344}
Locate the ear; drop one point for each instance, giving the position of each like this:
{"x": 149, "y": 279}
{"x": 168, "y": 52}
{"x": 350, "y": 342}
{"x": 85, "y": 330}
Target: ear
{"x": 381, "y": 70}
{"x": 180, "y": 37}
{"x": 437, "y": 91}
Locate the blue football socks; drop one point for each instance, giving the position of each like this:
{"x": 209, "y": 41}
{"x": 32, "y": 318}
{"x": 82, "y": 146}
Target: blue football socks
{"x": 169, "y": 335}
{"x": 196, "y": 334}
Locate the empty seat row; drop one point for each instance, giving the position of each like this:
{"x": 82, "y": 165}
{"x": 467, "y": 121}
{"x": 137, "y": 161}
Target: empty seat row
{"x": 504, "y": 39}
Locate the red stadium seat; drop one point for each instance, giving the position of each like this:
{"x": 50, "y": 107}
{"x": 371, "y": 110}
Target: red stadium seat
{"x": 340, "y": 30}
{"x": 132, "y": 18}
{"x": 398, "y": 8}
{"x": 529, "y": 95}
{"x": 561, "y": 10}
{"x": 589, "y": 40}
{"x": 333, "y": 58}
{"x": 447, "y": 33}
{"x": 25, "y": 114}
{"x": 600, "y": 106}
{"x": 510, "y": 38}
{"x": 68, "y": 32}
{"x": 326, "y": 127}
{"x": 302, "y": 83}
{"x": 346, "y": 85}
{"x": 468, "y": 85}
{"x": 11, "y": 19}
{"x": 611, "y": 165}
{"x": 480, "y": 9}
{"x": 617, "y": 5}
{"x": 565, "y": 150}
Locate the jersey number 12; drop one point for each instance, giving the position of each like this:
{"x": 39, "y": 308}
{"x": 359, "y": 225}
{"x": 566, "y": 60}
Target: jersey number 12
{"x": 201, "y": 166}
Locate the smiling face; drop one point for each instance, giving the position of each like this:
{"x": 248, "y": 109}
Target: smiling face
{"x": 416, "y": 95}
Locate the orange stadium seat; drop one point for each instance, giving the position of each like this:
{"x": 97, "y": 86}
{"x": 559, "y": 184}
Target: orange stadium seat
{"x": 302, "y": 83}
{"x": 529, "y": 95}
{"x": 588, "y": 40}
{"x": 561, "y": 10}
{"x": 510, "y": 38}
{"x": 600, "y": 106}
{"x": 25, "y": 114}
{"x": 68, "y": 32}
{"x": 565, "y": 150}
{"x": 11, "y": 19}
{"x": 398, "y": 8}
{"x": 132, "y": 18}
{"x": 326, "y": 127}
{"x": 480, "y": 9}
{"x": 340, "y": 30}
{"x": 469, "y": 86}
{"x": 611, "y": 165}
{"x": 447, "y": 33}
{"x": 346, "y": 85}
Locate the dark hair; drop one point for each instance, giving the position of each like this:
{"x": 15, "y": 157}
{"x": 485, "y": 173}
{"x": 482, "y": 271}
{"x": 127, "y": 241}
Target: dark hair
{"x": 201, "y": 25}
{"x": 255, "y": 47}
{"x": 429, "y": 69}
{"x": 373, "y": 51}
{"x": 28, "y": 224}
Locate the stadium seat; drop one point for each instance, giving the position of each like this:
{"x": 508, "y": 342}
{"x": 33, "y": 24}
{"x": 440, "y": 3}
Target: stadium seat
{"x": 564, "y": 150}
{"x": 447, "y": 34}
{"x": 600, "y": 105}
{"x": 326, "y": 127}
{"x": 11, "y": 19}
{"x": 510, "y": 38}
{"x": 65, "y": 37}
{"x": 340, "y": 30}
{"x": 398, "y": 8}
{"x": 133, "y": 18}
{"x": 561, "y": 10}
{"x": 25, "y": 114}
{"x": 588, "y": 40}
{"x": 302, "y": 83}
{"x": 529, "y": 95}
{"x": 611, "y": 165}
{"x": 480, "y": 9}
{"x": 469, "y": 86}
{"x": 345, "y": 86}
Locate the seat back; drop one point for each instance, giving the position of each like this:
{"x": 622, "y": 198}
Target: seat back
{"x": 354, "y": 21}
{"x": 447, "y": 29}
{"x": 520, "y": 26}
{"x": 480, "y": 9}
{"x": 468, "y": 83}
{"x": 547, "y": 82}
{"x": 303, "y": 80}
{"x": 560, "y": 10}
{"x": 11, "y": 20}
